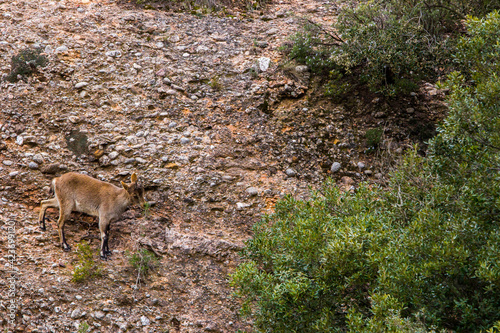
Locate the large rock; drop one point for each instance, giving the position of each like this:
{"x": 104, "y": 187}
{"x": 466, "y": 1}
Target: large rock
{"x": 196, "y": 244}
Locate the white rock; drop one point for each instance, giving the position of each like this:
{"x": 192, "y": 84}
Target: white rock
{"x": 20, "y": 140}
{"x": 82, "y": 84}
{"x": 113, "y": 155}
{"x": 76, "y": 313}
{"x": 61, "y": 49}
{"x": 335, "y": 167}
{"x": 263, "y": 63}
{"x": 114, "y": 53}
{"x": 145, "y": 321}
{"x": 99, "y": 314}
{"x": 241, "y": 205}
{"x": 252, "y": 191}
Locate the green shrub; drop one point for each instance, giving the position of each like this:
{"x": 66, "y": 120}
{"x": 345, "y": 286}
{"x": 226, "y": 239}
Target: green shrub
{"x": 83, "y": 327}
{"x": 389, "y": 45}
{"x": 421, "y": 255}
{"x": 373, "y": 137}
{"x": 143, "y": 261}
{"x": 25, "y": 62}
{"x": 308, "y": 47}
{"x": 86, "y": 268}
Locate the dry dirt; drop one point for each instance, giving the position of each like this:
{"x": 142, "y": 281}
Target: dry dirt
{"x": 178, "y": 97}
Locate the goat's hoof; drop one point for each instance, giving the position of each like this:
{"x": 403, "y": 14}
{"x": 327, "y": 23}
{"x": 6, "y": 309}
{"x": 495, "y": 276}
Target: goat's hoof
{"x": 107, "y": 253}
{"x": 43, "y": 228}
{"x": 66, "y": 248}
{"x": 104, "y": 257}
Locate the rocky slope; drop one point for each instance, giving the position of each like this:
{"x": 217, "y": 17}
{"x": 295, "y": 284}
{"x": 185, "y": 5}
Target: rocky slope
{"x": 217, "y": 129}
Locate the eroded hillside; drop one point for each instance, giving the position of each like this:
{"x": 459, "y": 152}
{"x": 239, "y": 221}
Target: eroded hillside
{"x": 203, "y": 109}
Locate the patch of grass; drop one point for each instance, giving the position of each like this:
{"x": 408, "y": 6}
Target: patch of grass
{"x": 147, "y": 209}
{"x": 86, "y": 268}
{"x": 25, "y": 63}
{"x": 215, "y": 83}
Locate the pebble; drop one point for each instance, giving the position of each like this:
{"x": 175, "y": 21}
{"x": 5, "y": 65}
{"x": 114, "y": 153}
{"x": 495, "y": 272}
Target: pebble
{"x": 99, "y": 314}
{"x": 141, "y": 160}
{"x": 272, "y": 31}
{"x": 76, "y": 313}
{"x": 145, "y": 321}
{"x": 301, "y": 69}
{"x": 368, "y": 172}
{"x": 13, "y": 173}
{"x": 361, "y": 165}
{"x": 7, "y": 162}
{"x": 252, "y": 191}
{"x": 33, "y": 165}
{"x": 290, "y": 172}
{"x": 113, "y": 155}
{"x": 78, "y": 297}
{"x": 82, "y": 84}
{"x": 185, "y": 141}
{"x": 262, "y": 44}
{"x": 241, "y": 205}
{"x": 20, "y": 140}
{"x": 61, "y": 49}
{"x": 335, "y": 167}
{"x": 114, "y": 53}
{"x": 347, "y": 180}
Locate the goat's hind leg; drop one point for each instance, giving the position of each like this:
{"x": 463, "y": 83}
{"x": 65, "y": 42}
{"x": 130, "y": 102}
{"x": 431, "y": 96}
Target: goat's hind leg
{"x": 50, "y": 203}
{"x": 64, "y": 214}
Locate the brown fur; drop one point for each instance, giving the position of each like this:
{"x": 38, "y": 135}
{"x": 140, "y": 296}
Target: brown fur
{"x": 80, "y": 193}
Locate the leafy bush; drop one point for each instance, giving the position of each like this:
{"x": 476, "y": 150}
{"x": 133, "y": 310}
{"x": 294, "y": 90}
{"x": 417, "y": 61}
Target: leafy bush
{"x": 390, "y": 45}
{"x": 143, "y": 261}
{"x": 419, "y": 256}
{"x": 86, "y": 268}
{"x": 25, "y": 63}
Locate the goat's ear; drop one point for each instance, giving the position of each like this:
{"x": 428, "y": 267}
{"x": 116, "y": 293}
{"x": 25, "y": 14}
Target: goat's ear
{"x": 125, "y": 186}
{"x": 134, "y": 178}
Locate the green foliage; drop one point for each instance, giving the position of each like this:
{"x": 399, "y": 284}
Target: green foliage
{"x": 143, "y": 261}
{"x": 83, "y": 327}
{"x": 373, "y": 137}
{"x": 308, "y": 48}
{"x": 86, "y": 268}
{"x": 422, "y": 255}
{"x": 25, "y": 62}
{"x": 147, "y": 209}
{"x": 215, "y": 83}
{"x": 389, "y": 45}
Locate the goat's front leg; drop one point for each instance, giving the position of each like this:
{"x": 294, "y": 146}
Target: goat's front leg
{"x": 104, "y": 229}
